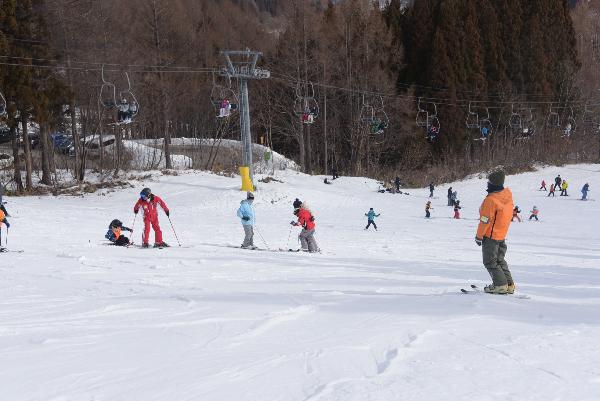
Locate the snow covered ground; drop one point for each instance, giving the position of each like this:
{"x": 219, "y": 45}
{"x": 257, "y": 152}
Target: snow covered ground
{"x": 377, "y": 316}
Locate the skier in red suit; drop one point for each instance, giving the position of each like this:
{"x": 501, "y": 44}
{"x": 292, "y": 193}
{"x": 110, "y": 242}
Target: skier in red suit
{"x": 149, "y": 203}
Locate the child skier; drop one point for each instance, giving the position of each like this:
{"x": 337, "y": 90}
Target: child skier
{"x": 534, "y": 214}
{"x": 457, "y": 209}
{"x": 371, "y": 219}
{"x": 428, "y": 209}
{"x": 515, "y": 215}
{"x": 552, "y": 188}
{"x": 114, "y": 233}
{"x": 306, "y": 220}
{"x": 149, "y": 203}
{"x": 584, "y": 191}
{"x": 563, "y": 188}
{"x": 543, "y": 187}
{"x": 246, "y": 213}
{"x": 431, "y": 189}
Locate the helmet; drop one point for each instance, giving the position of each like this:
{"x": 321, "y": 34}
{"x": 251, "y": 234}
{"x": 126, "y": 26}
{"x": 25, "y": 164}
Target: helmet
{"x": 146, "y": 192}
{"x": 116, "y": 223}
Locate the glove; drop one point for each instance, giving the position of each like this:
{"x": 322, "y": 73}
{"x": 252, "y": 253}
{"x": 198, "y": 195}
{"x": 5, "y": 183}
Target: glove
{"x": 293, "y": 223}
{"x": 478, "y": 241}
{"x": 245, "y": 218}
{"x": 135, "y": 211}
{"x": 167, "y": 213}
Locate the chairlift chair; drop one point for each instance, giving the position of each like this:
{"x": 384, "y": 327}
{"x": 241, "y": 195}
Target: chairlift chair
{"x": 422, "y": 119}
{"x": 486, "y": 126}
{"x": 472, "y": 120}
{"x": 223, "y": 98}
{"x": 108, "y": 93}
{"x": 3, "y": 105}
{"x": 515, "y": 121}
{"x": 571, "y": 125}
{"x": 128, "y": 98}
{"x": 306, "y": 106}
{"x": 367, "y": 112}
{"x": 554, "y": 118}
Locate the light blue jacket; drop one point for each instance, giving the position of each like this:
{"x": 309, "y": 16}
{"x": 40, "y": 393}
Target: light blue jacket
{"x": 371, "y": 215}
{"x": 246, "y": 210}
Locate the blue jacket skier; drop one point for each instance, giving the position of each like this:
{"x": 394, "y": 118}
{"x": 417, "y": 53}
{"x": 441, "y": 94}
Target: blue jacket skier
{"x": 246, "y": 214}
{"x": 371, "y": 218}
{"x": 584, "y": 191}
{"x": 114, "y": 233}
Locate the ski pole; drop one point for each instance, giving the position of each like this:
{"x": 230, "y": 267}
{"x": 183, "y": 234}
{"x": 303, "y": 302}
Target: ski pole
{"x": 133, "y": 225}
{"x": 261, "y": 237}
{"x": 173, "y": 228}
{"x": 287, "y": 244}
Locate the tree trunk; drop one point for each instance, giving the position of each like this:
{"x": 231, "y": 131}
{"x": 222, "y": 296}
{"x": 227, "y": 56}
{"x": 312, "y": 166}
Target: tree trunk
{"x": 17, "y": 159}
{"x": 44, "y": 141}
{"x": 27, "y": 152}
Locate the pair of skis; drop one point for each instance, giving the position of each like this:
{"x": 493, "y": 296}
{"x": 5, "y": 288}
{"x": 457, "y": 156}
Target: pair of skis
{"x": 476, "y": 290}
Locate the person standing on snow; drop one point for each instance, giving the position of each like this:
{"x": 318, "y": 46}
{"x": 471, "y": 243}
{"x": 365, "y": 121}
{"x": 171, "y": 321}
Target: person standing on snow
{"x": 457, "y": 209}
{"x": 307, "y": 221}
{"x": 534, "y": 214}
{"x": 515, "y": 215}
{"x": 563, "y": 188}
{"x": 428, "y": 209}
{"x": 431, "y": 188}
{"x": 114, "y": 233}
{"x": 397, "y": 183}
{"x": 584, "y": 191}
{"x": 495, "y": 215}
{"x": 149, "y": 203}
{"x": 5, "y": 222}
{"x": 450, "y": 196}
{"x": 543, "y": 186}
{"x": 371, "y": 219}
{"x": 552, "y": 188}
{"x": 246, "y": 213}
{"x": 557, "y": 182}
{"x": 2, "y": 208}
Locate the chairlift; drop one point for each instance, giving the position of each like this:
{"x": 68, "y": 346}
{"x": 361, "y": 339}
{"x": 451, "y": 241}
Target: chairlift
{"x": 515, "y": 122}
{"x": 380, "y": 121}
{"x": 472, "y": 120}
{"x": 367, "y": 112}
{"x": 108, "y": 93}
{"x": 422, "y": 119}
{"x": 305, "y": 105}
{"x": 433, "y": 126}
{"x": 527, "y": 124}
{"x": 223, "y": 98}
{"x": 571, "y": 125}
{"x": 486, "y": 127}
{"x": 554, "y": 118}
{"x": 128, "y": 106}
{"x": 3, "y": 105}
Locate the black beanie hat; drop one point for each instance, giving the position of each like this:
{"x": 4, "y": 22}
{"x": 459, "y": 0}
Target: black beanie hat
{"x": 297, "y": 203}
{"x": 496, "y": 178}
{"x": 250, "y": 195}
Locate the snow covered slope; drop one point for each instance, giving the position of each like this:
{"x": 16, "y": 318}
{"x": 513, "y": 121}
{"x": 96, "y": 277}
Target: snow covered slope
{"x": 376, "y": 316}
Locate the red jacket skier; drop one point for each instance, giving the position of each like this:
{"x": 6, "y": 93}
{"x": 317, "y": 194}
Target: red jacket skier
{"x": 149, "y": 203}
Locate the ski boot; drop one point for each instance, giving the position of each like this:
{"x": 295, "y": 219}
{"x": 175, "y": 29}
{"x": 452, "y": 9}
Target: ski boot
{"x": 496, "y": 289}
{"x": 511, "y": 289}
{"x": 161, "y": 245}
{"x": 145, "y": 245}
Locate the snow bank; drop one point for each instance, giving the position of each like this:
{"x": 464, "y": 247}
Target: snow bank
{"x": 150, "y": 158}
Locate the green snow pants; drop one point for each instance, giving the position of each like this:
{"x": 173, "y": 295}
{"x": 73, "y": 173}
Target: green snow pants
{"x": 493, "y": 260}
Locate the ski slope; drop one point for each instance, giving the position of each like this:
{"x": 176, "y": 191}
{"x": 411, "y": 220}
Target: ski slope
{"x": 377, "y": 316}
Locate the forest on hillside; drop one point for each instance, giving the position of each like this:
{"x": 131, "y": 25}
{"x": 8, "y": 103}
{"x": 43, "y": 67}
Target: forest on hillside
{"x": 430, "y": 89}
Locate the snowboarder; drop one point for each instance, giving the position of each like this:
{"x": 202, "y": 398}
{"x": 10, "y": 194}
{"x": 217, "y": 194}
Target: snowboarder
{"x": 149, "y": 203}
{"x": 534, "y": 214}
{"x": 246, "y": 213}
{"x": 515, "y": 214}
{"x": 552, "y": 187}
{"x": 428, "y": 209}
{"x": 397, "y": 183}
{"x": 450, "y": 196}
{"x": 563, "y": 188}
{"x": 543, "y": 187}
{"x": 457, "y": 209}
{"x": 307, "y": 221}
{"x": 584, "y": 191}
{"x": 371, "y": 219}
{"x": 495, "y": 214}
{"x": 114, "y": 233}
{"x": 431, "y": 188}
{"x": 557, "y": 182}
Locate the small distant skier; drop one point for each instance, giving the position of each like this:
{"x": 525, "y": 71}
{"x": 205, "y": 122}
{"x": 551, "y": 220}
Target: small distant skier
{"x": 2, "y": 208}
{"x": 584, "y": 191}
{"x": 397, "y": 183}
{"x": 115, "y": 233}
{"x": 371, "y": 219}
{"x": 149, "y": 203}
{"x": 457, "y": 209}
{"x": 543, "y": 187}
{"x": 334, "y": 173}
{"x": 515, "y": 215}
{"x": 6, "y": 223}
{"x": 552, "y": 189}
{"x": 563, "y": 188}
{"x": 450, "y": 196}
{"x": 306, "y": 220}
{"x": 454, "y": 197}
{"x": 428, "y": 209}
{"x": 534, "y": 213}
{"x": 557, "y": 182}
{"x": 431, "y": 188}
{"x": 246, "y": 214}
{"x": 494, "y": 220}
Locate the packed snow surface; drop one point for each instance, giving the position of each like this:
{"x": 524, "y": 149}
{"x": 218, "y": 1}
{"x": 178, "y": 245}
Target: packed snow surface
{"x": 377, "y": 316}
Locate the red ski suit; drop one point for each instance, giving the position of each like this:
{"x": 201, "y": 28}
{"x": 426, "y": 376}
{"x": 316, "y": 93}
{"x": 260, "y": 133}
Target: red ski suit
{"x": 305, "y": 219}
{"x": 151, "y": 217}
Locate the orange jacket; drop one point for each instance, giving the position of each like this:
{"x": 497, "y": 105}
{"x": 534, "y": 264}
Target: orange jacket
{"x": 495, "y": 215}
{"x": 2, "y": 217}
